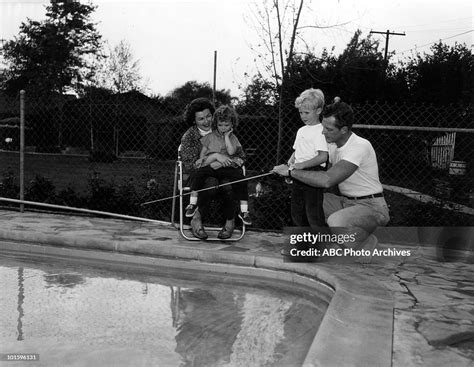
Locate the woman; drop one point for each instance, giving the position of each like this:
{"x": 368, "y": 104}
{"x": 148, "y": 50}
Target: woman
{"x": 198, "y": 115}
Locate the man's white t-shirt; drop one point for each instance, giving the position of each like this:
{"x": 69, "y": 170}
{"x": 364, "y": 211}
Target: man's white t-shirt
{"x": 365, "y": 180}
{"x": 309, "y": 139}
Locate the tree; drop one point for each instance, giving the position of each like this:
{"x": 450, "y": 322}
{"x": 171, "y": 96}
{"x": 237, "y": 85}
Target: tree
{"x": 443, "y": 77}
{"x": 178, "y": 98}
{"x": 259, "y": 93}
{"x": 120, "y": 73}
{"x": 360, "y": 70}
{"x": 358, "y": 74}
{"x": 311, "y": 71}
{"x": 53, "y": 55}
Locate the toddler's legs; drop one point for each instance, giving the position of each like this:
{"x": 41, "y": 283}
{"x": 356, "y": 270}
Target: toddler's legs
{"x": 240, "y": 190}
{"x": 244, "y": 213}
{"x": 197, "y": 180}
{"x": 192, "y": 207}
{"x": 193, "y": 198}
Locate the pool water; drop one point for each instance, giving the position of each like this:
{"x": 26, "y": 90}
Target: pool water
{"x": 79, "y": 315}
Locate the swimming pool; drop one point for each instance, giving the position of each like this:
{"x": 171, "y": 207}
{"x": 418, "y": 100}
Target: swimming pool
{"x": 77, "y": 313}
{"x": 357, "y": 328}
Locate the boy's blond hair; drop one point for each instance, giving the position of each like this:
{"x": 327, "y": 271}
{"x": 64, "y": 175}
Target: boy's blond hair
{"x": 313, "y": 98}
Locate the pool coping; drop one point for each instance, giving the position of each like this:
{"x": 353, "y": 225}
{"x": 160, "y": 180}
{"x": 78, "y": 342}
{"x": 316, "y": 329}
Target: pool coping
{"x": 356, "y": 330}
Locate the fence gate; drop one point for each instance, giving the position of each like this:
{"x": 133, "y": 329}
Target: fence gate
{"x": 442, "y": 151}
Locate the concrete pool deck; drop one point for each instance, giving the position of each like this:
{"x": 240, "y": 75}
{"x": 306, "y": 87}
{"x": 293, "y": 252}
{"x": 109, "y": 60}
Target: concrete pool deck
{"x": 400, "y": 311}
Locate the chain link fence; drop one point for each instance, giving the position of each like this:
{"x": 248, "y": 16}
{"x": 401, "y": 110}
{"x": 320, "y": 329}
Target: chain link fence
{"x": 119, "y": 151}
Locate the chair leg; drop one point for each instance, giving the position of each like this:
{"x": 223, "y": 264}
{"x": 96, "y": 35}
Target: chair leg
{"x": 175, "y": 187}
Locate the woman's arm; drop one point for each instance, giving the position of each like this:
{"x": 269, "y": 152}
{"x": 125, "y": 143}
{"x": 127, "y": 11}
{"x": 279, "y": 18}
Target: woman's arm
{"x": 203, "y": 153}
{"x": 217, "y": 157}
{"x": 189, "y": 150}
{"x": 201, "y": 162}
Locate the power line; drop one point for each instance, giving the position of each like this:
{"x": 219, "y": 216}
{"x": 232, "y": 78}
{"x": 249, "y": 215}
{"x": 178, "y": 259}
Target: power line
{"x": 438, "y": 30}
{"x": 440, "y": 22}
{"x": 439, "y": 40}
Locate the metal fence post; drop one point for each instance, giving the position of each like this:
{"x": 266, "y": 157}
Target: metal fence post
{"x": 22, "y": 149}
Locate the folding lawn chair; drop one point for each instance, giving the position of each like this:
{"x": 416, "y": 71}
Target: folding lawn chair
{"x": 181, "y": 191}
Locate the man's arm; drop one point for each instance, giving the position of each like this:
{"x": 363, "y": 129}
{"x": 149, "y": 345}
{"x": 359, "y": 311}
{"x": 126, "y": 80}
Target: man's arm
{"x": 292, "y": 159}
{"x": 325, "y": 179}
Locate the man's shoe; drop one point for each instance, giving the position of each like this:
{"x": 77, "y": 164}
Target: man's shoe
{"x": 225, "y": 233}
{"x": 190, "y": 210}
{"x": 246, "y": 219}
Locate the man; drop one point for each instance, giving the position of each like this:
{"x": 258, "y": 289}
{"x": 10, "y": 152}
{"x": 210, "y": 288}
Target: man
{"x": 361, "y": 208}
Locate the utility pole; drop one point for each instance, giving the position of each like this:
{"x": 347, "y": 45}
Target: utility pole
{"x": 387, "y": 35}
{"x": 214, "y": 85}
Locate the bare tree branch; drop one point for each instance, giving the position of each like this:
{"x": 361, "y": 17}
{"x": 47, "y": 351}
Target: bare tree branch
{"x": 324, "y": 27}
{"x": 279, "y": 37}
{"x": 272, "y": 49}
{"x": 293, "y": 35}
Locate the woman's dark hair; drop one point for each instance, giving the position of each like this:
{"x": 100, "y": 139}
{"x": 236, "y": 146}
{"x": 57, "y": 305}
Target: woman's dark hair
{"x": 196, "y": 105}
{"x": 342, "y": 112}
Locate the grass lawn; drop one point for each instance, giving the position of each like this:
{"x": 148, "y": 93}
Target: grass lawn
{"x": 74, "y": 171}
{"x": 405, "y": 211}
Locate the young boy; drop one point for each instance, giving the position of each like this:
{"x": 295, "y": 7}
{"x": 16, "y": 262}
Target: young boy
{"x": 220, "y": 159}
{"x": 311, "y": 153}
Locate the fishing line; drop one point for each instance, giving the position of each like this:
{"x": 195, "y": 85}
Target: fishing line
{"x": 208, "y": 188}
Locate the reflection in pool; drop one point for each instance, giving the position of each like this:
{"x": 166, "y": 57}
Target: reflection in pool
{"x": 76, "y": 315}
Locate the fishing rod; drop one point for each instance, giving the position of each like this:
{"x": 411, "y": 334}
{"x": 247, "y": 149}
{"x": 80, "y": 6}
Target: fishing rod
{"x": 209, "y": 188}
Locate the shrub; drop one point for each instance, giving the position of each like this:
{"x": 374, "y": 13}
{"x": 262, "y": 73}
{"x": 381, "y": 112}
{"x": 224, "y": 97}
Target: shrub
{"x": 101, "y": 196}
{"x": 271, "y": 209}
{"x": 127, "y": 199}
{"x": 41, "y": 190}
{"x": 154, "y": 191}
{"x": 69, "y": 197}
{"x": 8, "y": 185}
